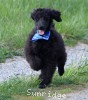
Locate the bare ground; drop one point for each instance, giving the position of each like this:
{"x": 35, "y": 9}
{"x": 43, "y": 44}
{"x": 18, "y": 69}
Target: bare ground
{"x": 76, "y": 95}
{"x": 18, "y": 66}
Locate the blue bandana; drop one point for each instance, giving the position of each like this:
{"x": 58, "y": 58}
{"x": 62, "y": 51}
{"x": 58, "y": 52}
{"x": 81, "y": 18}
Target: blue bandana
{"x": 37, "y": 36}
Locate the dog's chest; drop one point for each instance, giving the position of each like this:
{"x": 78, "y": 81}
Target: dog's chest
{"x": 42, "y": 47}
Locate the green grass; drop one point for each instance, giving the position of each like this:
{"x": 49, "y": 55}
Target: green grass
{"x": 5, "y": 53}
{"x": 73, "y": 79}
{"x": 15, "y": 22}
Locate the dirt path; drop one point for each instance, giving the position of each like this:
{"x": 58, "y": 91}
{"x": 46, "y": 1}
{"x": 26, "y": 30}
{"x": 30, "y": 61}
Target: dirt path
{"x": 18, "y": 66}
{"x": 77, "y": 95}
{"x": 81, "y": 95}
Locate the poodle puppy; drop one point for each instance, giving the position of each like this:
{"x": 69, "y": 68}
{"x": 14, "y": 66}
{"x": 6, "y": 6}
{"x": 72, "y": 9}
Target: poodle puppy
{"x": 45, "y": 48}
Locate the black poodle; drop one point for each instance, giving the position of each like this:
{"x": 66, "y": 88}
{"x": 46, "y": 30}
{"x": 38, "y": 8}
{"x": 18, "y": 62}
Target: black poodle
{"x": 45, "y": 48}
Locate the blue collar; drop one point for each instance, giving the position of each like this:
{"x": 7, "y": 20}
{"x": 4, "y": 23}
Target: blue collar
{"x": 37, "y": 36}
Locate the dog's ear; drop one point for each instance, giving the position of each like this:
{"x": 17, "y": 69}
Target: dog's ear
{"x": 36, "y": 13}
{"x": 56, "y": 15}
{"x": 33, "y": 14}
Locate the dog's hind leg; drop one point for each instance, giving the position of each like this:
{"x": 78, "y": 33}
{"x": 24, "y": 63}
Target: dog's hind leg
{"x": 46, "y": 75}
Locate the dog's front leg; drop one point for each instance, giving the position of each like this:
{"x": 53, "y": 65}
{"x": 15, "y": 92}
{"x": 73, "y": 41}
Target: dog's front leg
{"x": 34, "y": 61}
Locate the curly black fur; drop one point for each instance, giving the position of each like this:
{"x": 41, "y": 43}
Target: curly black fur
{"x": 46, "y": 55}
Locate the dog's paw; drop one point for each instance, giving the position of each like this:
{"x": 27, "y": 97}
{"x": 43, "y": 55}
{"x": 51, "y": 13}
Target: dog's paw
{"x": 61, "y": 72}
{"x": 42, "y": 86}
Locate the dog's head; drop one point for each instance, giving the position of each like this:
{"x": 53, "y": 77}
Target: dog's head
{"x": 44, "y": 17}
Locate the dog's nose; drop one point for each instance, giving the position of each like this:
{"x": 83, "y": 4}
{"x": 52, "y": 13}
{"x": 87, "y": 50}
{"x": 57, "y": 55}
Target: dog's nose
{"x": 41, "y": 27}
